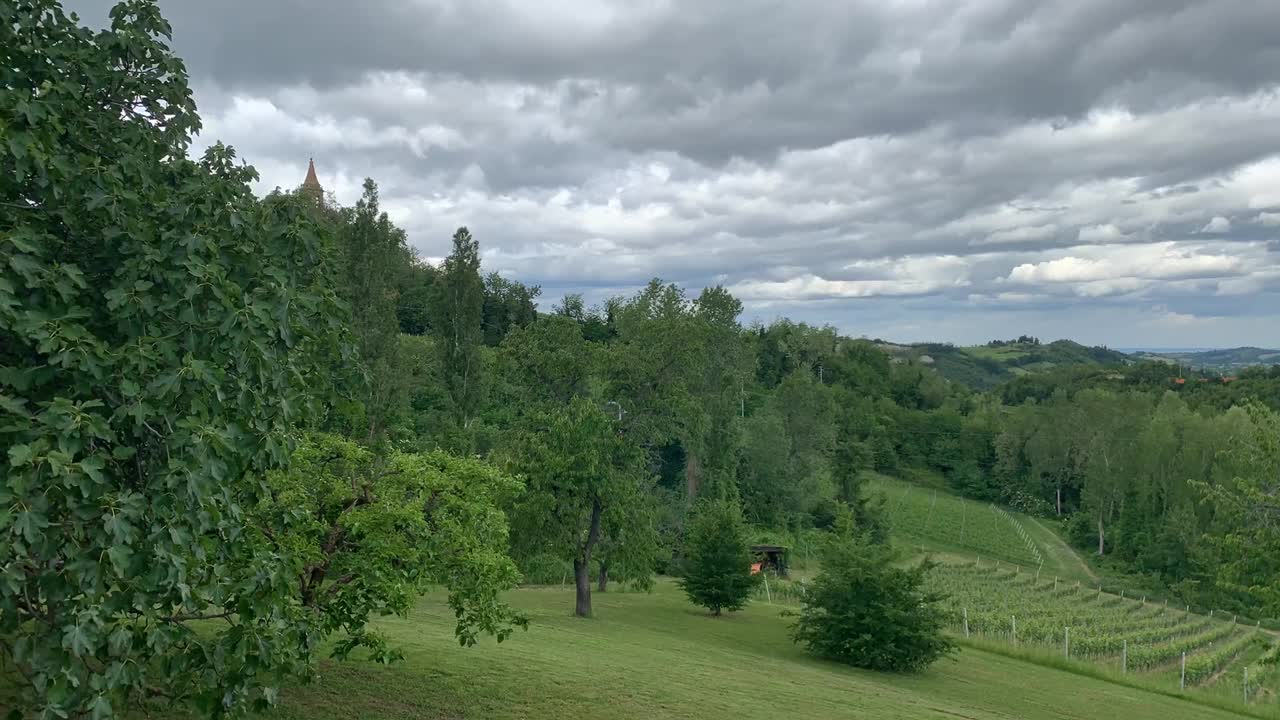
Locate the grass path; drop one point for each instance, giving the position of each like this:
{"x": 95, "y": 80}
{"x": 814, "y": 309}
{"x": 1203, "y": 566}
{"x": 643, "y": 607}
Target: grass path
{"x": 654, "y": 656}
{"x": 1062, "y": 554}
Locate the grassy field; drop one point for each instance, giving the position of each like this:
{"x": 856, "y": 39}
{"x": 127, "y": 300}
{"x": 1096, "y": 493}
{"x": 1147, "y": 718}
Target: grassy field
{"x": 960, "y": 529}
{"x": 655, "y": 656}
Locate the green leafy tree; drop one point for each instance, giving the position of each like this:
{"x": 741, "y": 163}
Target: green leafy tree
{"x": 653, "y": 369}
{"x": 864, "y": 610}
{"x": 508, "y": 304}
{"x": 580, "y": 474}
{"x": 1243, "y": 552}
{"x": 717, "y": 558}
{"x": 367, "y": 534}
{"x": 375, "y": 259}
{"x": 162, "y": 334}
{"x": 458, "y": 311}
{"x": 413, "y": 310}
{"x": 589, "y": 496}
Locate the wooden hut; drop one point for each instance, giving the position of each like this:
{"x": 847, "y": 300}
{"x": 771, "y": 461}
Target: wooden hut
{"x": 770, "y": 557}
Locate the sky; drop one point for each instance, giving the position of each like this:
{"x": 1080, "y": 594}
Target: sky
{"x": 951, "y": 170}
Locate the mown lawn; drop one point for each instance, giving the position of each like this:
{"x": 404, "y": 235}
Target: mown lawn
{"x": 654, "y": 656}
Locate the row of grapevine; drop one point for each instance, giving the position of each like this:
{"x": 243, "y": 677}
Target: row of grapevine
{"x": 1014, "y": 606}
{"x": 1203, "y": 665}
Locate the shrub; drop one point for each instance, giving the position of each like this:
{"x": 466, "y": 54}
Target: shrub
{"x": 717, "y": 562}
{"x": 864, "y": 611}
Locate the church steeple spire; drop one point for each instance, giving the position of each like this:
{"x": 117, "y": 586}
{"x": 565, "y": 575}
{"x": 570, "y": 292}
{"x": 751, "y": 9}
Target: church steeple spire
{"x": 311, "y": 185}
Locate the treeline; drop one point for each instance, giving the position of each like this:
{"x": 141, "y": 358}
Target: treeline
{"x": 1161, "y": 480}
{"x": 651, "y": 401}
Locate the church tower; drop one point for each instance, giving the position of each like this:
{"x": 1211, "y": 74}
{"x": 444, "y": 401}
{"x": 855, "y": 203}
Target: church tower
{"x": 311, "y": 185}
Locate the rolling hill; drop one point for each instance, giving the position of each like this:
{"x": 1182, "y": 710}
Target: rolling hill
{"x": 1221, "y": 360}
{"x": 983, "y": 367}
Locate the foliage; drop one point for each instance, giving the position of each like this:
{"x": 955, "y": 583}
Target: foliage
{"x": 507, "y": 305}
{"x": 374, "y": 256}
{"x": 864, "y": 610}
{"x": 717, "y": 560}
{"x": 161, "y": 334}
{"x": 457, "y": 312}
{"x": 584, "y": 481}
{"x": 1245, "y": 552}
{"x": 366, "y": 534}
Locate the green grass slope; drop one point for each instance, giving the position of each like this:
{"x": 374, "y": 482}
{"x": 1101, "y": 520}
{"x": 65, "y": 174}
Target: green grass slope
{"x": 655, "y": 656}
{"x": 959, "y": 529}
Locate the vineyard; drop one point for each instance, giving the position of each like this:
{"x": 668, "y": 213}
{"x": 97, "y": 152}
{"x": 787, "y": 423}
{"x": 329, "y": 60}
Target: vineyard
{"x": 1009, "y": 582}
{"x": 1128, "y": 635}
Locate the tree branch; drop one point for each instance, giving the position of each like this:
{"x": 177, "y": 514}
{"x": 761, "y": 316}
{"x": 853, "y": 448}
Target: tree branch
{"x": 187, "y": 617}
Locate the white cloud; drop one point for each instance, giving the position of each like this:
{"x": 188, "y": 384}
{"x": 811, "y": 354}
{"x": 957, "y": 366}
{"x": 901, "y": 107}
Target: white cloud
{"x": 944, "y": 184}
{"x": 1099, "y": 234}
{"x": 1157, "y": 261}
{"x": 1217, "y": 226}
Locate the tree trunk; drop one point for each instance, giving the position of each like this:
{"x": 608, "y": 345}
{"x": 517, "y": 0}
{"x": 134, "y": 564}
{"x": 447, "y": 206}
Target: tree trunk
{"x": 1101, "y": 536}
{"x": 582, "y": 564}
{"x": 692, "y": 477}
{"x": 582, "y": 578}
{"x": 603, "y": 582}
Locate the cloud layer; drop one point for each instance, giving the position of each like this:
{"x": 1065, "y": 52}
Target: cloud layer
{"x": 1108, "y": 171}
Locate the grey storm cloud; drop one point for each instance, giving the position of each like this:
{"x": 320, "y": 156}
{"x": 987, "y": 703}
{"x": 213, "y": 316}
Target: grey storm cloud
{"x": 1102, "y": 169}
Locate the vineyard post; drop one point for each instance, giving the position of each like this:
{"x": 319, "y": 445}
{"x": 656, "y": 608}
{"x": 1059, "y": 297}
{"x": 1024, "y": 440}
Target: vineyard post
{"x": 1066, "y": 642}
{"x": 1246, "y": 684}
{"x": 1037, "y": 576}
{"x": 1121, "y": 594}
{"x": 1124, "y": 655}
{"x": 966, "y": 621}
{"x": 1233, "y": 619}
{"x": 1182, "y": 683}
{"x": 1015, "y": 628}
{"x": 767, "y": 594}
{"x": 1055, "y": 583}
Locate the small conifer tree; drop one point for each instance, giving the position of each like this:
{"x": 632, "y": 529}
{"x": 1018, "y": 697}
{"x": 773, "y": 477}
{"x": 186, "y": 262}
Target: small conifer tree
{"x": 717, "y": 562}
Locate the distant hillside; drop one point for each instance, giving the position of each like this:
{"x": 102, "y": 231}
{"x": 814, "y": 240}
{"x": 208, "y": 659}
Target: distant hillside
{"x": 982, "y": 367}
{"x": 1220, "y": 360}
